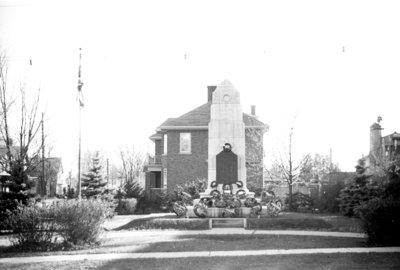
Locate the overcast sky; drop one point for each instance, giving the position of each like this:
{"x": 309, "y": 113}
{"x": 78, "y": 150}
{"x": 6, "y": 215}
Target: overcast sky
{"x": 334, "y": 64}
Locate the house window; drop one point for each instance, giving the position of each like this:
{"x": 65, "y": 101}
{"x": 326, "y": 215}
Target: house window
{"x": 185, "y": 143}
{"x": 165, "y": 144}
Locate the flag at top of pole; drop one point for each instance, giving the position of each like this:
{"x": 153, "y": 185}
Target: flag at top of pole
{"x": 80, "y": 83}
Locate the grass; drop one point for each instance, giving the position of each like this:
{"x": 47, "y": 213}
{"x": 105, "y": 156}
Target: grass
{"x": 251, "y": 242}
{"x": 181, "y": 243}
{"x": 285, "y": 221}
{"x": 314, "y": 261}
{"x": 166, "y": 222}
{"x": 305, "y": 221}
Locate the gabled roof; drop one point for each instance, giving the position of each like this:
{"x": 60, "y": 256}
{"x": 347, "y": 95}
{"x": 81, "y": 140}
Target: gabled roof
{"x": 197, "y": 117}
{"x": 156, "y": 136}
{"x": 200, "y": 117}
{"x": 54, "y": 163}
{"x": 389, "y": 139}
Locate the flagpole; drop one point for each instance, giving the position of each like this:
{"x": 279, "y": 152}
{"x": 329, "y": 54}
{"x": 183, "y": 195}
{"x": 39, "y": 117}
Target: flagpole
{"x": 80, "y": 102}
{"x": 79, "y": 154}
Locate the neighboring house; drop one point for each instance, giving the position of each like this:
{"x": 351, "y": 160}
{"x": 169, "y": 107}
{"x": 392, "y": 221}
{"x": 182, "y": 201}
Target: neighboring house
{"x": 181, "y": 149}
{"x": 382, "y": 148}
{"x": 55, "y": 180}
{"x": 54, "y": 175}
{"x": 3, "y": 153}
{"x": 53, "y": 169}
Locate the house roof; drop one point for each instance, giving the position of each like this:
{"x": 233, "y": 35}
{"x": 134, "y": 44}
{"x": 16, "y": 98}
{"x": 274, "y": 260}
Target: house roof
{"x": 55, "y": 163}
{"x": 156, "y": 136}
{"x": 13, "y": 149}
{"x": 375, "y": 126}
{"x": 200, "y": 117}
{"x": 389, "y": 139}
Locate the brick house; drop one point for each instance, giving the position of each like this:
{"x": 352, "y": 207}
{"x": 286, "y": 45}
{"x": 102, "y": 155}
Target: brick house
{"x": 181, "y": 149}
{"x": 382, "y": 148}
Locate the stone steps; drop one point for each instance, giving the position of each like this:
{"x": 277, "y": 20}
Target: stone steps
{"x": 227, "y": 223}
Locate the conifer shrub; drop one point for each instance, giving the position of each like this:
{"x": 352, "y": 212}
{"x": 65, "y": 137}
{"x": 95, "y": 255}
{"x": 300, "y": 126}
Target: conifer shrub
{"x": 358, "y": 192}
{"x": 327, "y": 201}
{"x": 9, "y": 202}
{"x": 380, "y": 215}
{"x": 300, "y": 202}
{"x": 381, "y": 221}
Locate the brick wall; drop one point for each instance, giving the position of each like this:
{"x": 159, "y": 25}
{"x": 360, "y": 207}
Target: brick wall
{"x": 158, "y": 147}
{"x": 184, "y": 167}
{"x": 309, "y": 189}
{"x": 254, "y": 157}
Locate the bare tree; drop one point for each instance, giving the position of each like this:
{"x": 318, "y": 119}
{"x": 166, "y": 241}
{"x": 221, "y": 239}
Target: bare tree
{"x": 317, "y": 167}
{"x": 132, "y": 163}
{"x": 5, "y": 106}
{"x": 21, "y": 157}
{"x": 288, "y": 168}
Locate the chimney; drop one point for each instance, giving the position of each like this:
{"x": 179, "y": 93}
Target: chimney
{"x": 375, "y": 148}
{"x": 211, "y": 89}
{"x": 253, "y": 110}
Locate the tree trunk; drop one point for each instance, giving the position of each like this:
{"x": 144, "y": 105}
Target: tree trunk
{"x": 290, "y": 196}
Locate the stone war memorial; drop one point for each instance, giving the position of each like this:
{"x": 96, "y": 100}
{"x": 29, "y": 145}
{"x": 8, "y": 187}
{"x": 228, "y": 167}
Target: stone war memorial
{"x": 217, "y": 142}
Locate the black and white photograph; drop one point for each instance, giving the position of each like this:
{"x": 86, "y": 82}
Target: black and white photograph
{"x": 172, "y": 134}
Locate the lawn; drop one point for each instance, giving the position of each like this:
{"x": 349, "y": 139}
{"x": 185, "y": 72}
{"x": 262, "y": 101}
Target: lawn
{"x": 306, "y": 221}
{"x": 315, "y": 261}
{"x": 180, "y": 243}
{"x": 165, "y": 222}
{"x": 285, "y": 221}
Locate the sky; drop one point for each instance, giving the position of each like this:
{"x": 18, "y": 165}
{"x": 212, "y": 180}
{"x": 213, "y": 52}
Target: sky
{"x": 325, "y": 68}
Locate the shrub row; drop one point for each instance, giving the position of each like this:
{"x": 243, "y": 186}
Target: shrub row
{"x": 166, "y": 223}
{"x": 381, "y": 220}
{"x": 37, "y": 227}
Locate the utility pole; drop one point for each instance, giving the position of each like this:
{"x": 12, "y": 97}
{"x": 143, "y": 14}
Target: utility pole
{"x": 43, "y": 186}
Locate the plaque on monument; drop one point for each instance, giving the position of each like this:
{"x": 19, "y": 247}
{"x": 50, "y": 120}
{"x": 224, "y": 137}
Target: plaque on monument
{"x": 227, "y": 166}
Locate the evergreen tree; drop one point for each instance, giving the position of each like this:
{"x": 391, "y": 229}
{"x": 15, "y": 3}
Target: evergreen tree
{"x": 132, "y": 189}
{"x": 358, "y": 192}
{"x": 93, "y": 182}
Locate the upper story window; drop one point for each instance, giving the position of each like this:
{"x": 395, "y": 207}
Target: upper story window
{"x": 185, "y": 143}
{"x": 165, "y": 144}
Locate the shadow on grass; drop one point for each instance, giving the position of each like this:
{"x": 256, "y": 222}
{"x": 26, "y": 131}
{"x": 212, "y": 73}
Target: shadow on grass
{"x": 313, "y": 261}
{"x": 249, "y": 242}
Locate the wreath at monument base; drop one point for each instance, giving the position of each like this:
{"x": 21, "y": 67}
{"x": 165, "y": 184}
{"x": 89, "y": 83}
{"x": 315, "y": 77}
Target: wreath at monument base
{"x": 234, "y": 203}
{"x": 228, "y": 213}
{"x": 215, "y": 193}
{"x": 220, "y": 203}
{"x": 179, "y": 209}
{"x": 250, "y": 202}
{"x": 256, "y": 210}
{"x": 200, "y": 210}
{"x": 207, "y": 201}
{"x": 241, "y": 194}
